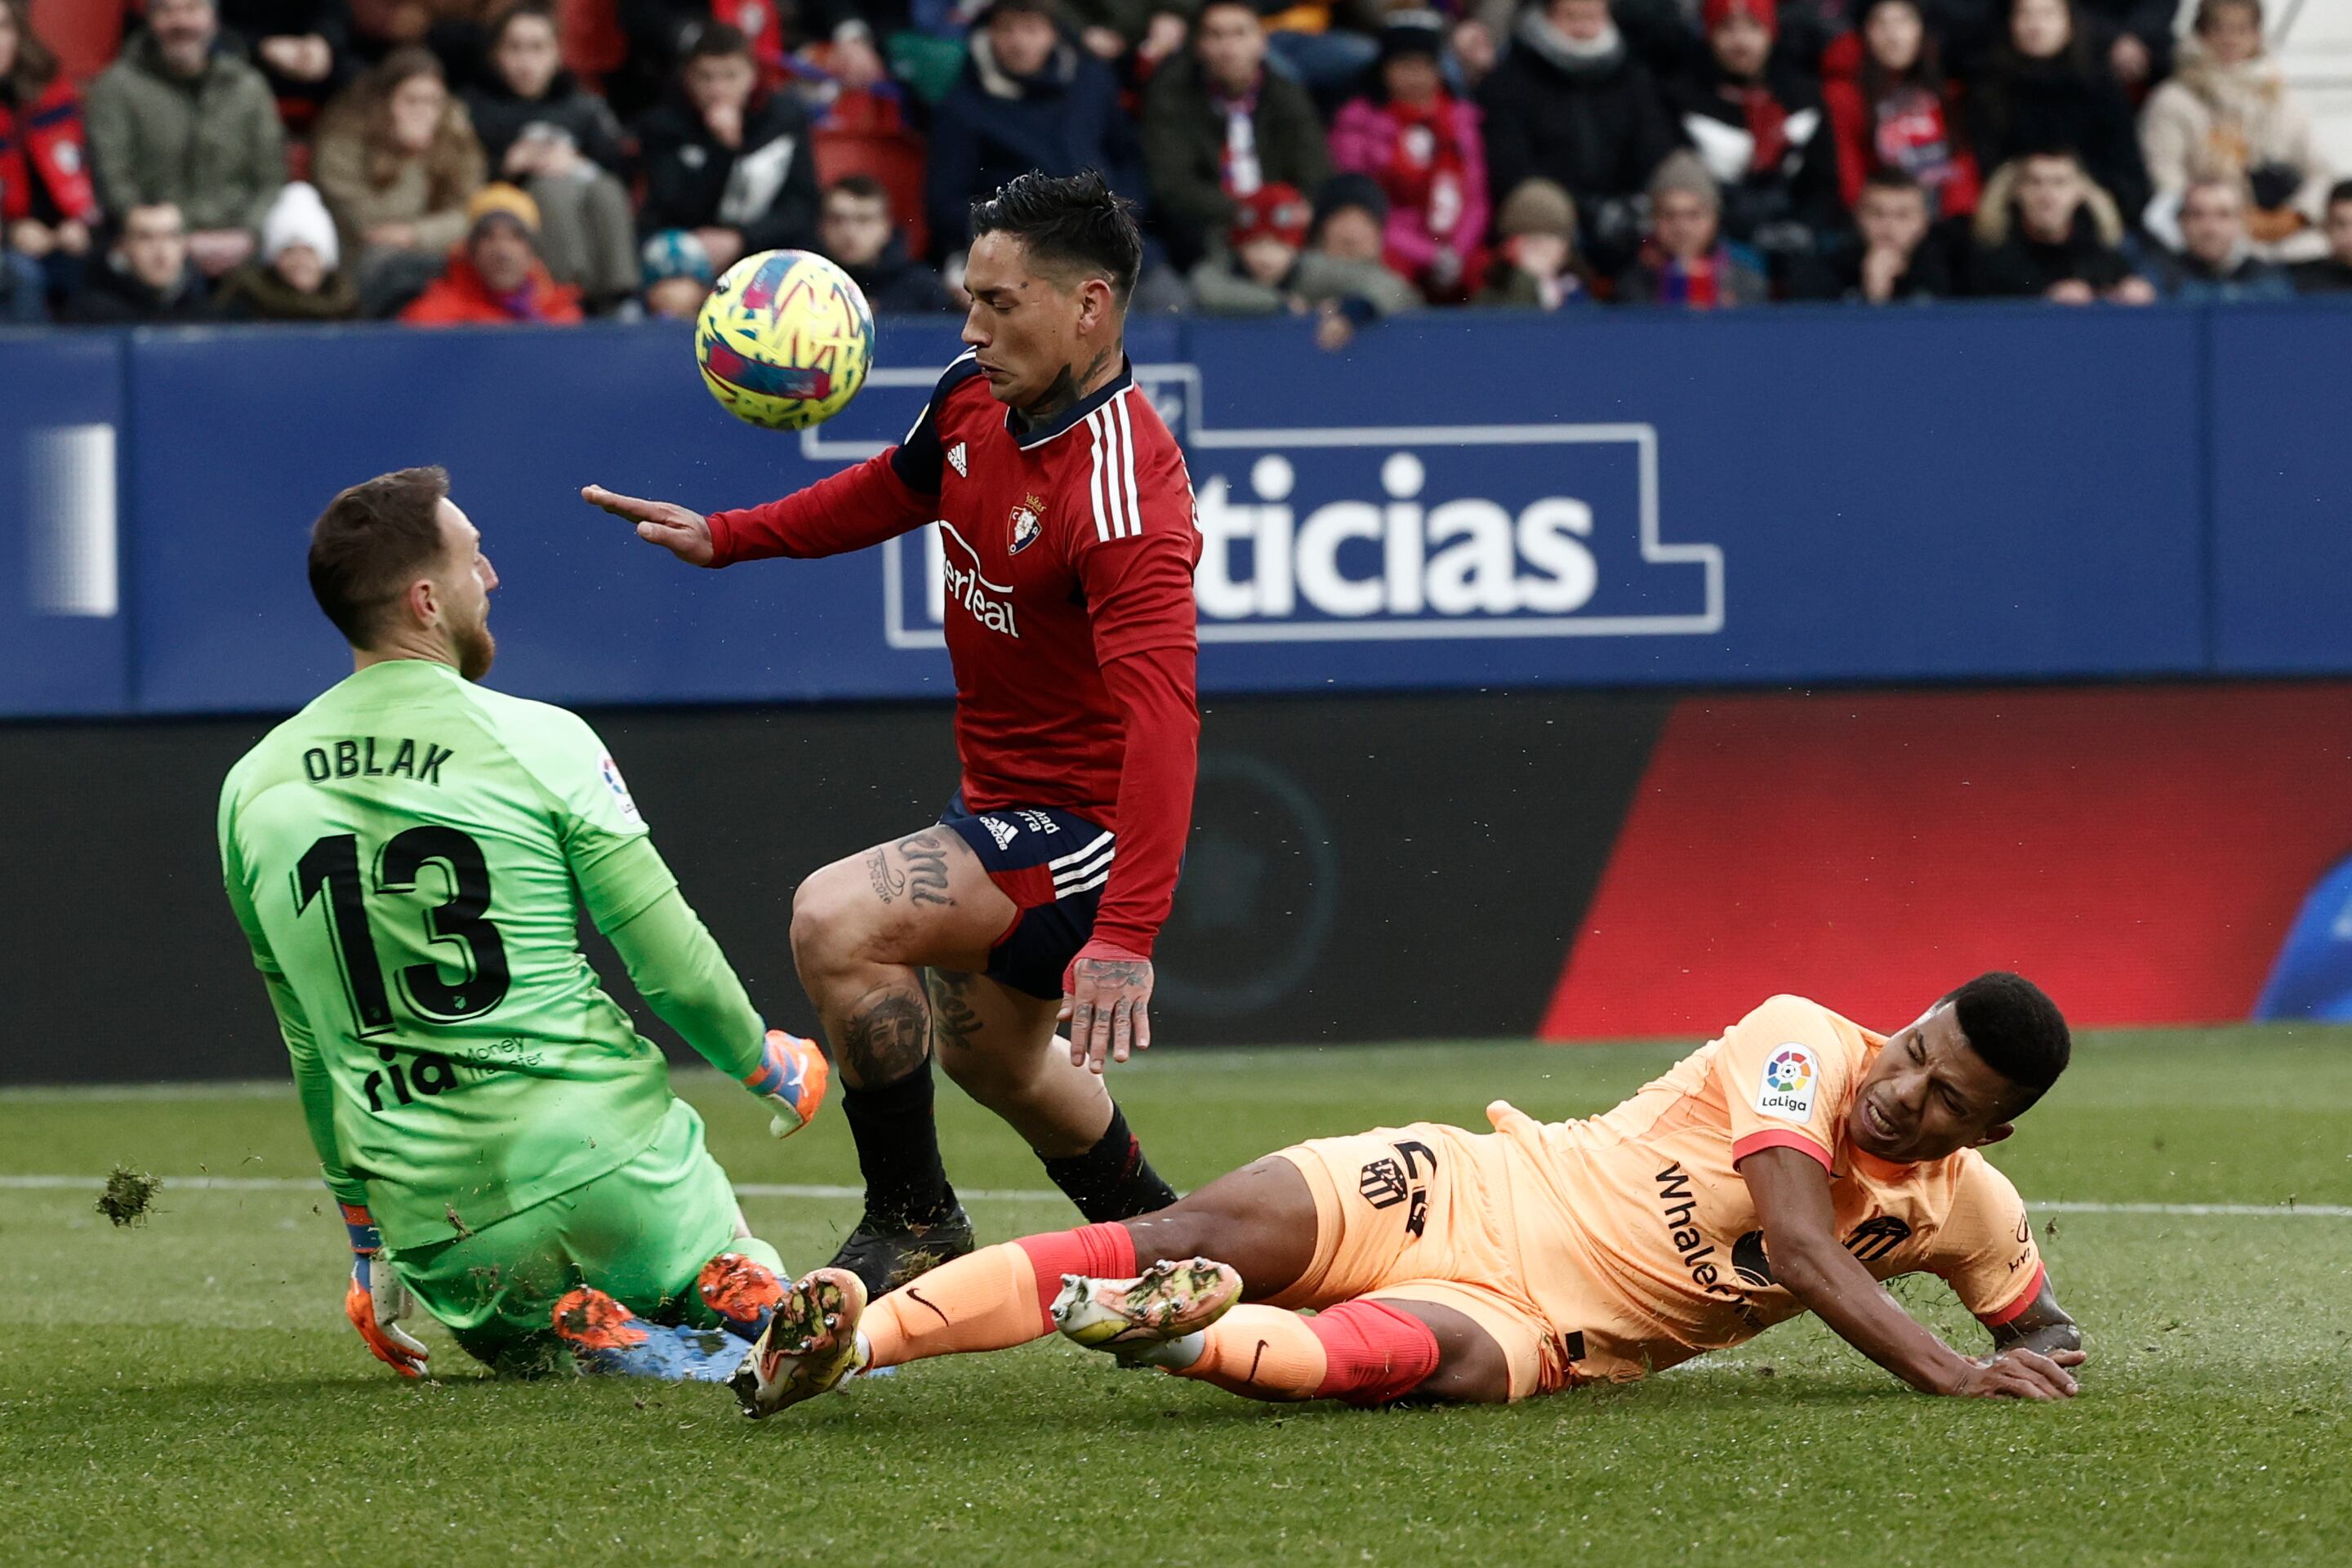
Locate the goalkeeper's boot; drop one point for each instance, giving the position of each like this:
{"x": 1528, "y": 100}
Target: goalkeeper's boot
{"x": 810, "y": 1346}
{"x": 743, "y": 1291}
{"x": 1133, "y": 1318}
{"x": 885, "y": 1256}
{"x": 608, "y": 1340}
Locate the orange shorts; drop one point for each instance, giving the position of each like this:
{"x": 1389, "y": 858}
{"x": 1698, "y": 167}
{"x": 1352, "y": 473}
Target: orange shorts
{"x": 1431, "y": 1213}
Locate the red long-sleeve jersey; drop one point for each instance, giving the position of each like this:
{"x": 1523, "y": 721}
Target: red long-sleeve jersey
{"x": 1070, "y": 547}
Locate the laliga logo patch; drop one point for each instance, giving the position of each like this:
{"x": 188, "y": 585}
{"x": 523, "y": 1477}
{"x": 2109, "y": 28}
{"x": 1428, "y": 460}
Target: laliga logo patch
{"x": 1786, "y": 1089}
{"x": 1026, "y": 524}
{"x": 619, "y": 786}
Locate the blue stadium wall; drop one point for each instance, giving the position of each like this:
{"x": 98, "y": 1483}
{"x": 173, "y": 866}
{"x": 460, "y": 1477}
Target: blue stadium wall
{"x": 1458, "y": 585}
{"x": 1765, "y": 497}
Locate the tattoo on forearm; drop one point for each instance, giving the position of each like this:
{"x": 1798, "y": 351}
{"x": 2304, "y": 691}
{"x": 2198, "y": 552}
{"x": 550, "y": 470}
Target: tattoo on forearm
{"x": 927, "y": 868}
{"x": 889, "y": 1036}
{"x": 887, "y": 884}
{"x": 953, "y": 1020}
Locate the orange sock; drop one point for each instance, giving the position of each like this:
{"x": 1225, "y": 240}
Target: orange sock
{"x": 1261, "y": 1352}
{"x": 993, "y": 1299}
{"x": 985, "y": 1300}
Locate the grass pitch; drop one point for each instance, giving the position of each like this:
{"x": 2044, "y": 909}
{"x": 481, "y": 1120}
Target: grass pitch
{"x": 186, "y": 1390}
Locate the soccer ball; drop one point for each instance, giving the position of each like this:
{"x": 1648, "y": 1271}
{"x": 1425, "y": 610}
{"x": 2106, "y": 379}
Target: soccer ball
{"x": 785, "y": 340}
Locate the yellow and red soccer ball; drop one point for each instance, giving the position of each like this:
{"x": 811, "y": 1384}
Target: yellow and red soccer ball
{"x": 785, "y": 340}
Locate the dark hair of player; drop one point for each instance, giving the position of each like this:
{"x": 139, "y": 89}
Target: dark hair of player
{"x": 2019, "y": 1032}
{"x": 717, "y": 41}
{"x": 1890, "y": 180}
{"x": 1076, "y": 223}
{"x": 371, "y": 542}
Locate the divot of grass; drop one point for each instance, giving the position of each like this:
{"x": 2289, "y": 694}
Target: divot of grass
{"x": 128, "y": 1195}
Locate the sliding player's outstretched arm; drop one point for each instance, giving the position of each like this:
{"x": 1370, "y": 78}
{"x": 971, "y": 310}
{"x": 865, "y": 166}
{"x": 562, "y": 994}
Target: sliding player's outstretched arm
{"x": 1793, "y": 1201}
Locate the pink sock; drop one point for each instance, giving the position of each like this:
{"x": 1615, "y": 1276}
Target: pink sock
{"x": 1094, "y": 1251}
{"x": 1373, "y": 1352}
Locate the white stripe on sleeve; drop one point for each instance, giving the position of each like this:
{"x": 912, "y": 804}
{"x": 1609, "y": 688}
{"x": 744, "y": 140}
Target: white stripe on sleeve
{"x": 1095, "y": 479}
{"x": 1126, "y": 466}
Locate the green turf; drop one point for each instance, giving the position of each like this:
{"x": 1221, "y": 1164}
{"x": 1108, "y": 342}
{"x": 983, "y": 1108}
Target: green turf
{"x": 186, "y": 1391}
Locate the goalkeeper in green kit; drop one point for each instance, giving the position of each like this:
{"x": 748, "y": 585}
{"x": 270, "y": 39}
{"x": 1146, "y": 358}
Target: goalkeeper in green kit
{"x": 407, "y": 856}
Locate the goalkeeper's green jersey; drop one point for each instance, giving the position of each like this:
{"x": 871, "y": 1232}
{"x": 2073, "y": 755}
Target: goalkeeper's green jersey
{"x": 407, "y": 856}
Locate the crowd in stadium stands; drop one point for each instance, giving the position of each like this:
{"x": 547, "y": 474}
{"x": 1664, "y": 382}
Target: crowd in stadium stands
{"x": 490, "y": 160}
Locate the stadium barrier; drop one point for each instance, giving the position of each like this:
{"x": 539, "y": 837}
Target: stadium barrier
{"x": 1449, "y": 840}
{"x": 1366, "y": 867}
{"x": 1763, "y": 498}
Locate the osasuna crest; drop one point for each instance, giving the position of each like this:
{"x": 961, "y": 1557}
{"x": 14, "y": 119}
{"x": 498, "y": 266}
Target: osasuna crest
{"x": 1026, "y": 523}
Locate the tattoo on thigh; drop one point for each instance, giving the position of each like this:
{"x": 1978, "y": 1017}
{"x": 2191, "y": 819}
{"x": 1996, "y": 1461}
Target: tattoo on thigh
{"x": 927, "y": 868}
{"x": 953, "y": 1020}
{"x": 887, "y": 884}
{"x": 888, "y": 1036}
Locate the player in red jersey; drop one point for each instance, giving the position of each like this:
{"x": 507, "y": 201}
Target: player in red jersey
{"x": 1066, "y": 514}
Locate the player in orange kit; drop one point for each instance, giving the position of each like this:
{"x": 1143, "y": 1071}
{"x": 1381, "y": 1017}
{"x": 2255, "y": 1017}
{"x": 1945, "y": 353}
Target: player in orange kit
{"x": 1788, "y": 1167}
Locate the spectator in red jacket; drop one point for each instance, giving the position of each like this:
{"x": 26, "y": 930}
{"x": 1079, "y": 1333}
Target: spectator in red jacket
{"x": 48, "y": 205}
{"x": 1422, "y": 144}
{"x": 496, "y": 278}
{"x": 1891, "y": 109}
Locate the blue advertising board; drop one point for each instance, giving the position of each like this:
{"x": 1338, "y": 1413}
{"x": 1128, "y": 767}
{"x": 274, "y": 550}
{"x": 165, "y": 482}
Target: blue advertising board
{"x": 1461, "y": 500}
{"x": 65, "y": 642}
{"x": 2282, "y": 441}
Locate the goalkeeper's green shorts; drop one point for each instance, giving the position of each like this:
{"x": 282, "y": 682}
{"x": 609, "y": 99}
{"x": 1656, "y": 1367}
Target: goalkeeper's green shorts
{"x": 640, "y": 1232}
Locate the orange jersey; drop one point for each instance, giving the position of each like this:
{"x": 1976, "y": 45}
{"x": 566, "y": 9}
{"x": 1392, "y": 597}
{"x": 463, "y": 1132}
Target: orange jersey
{"x": 1657, "y": 1214}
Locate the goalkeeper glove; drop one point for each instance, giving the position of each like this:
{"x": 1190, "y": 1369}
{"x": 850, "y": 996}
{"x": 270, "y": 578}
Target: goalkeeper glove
{"x": 376, "y": 1300}
{"x": 791, "y": 1078}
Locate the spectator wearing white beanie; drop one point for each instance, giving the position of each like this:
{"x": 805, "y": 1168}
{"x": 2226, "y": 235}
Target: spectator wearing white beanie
{"x": 299, "y": 276}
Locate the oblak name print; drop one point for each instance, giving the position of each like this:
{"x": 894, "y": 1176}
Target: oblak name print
{"x": 365, "y": 757}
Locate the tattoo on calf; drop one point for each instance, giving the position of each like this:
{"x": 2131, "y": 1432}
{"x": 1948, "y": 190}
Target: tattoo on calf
{"x": 887, "y": 884}
{"x": 888, "y": 1036}
{"x": 927, "y": 869}
{"x": 953, "y": 1020}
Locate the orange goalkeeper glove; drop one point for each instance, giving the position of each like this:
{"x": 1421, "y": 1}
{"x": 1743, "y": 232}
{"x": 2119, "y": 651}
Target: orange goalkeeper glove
{"x": 791, "y": 1078}
{"x": 376, "y": 1300}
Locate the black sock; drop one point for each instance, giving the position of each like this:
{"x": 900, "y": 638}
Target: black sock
{"x": 1112, "y": 1180}
{"x": 898, "y": 1150}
